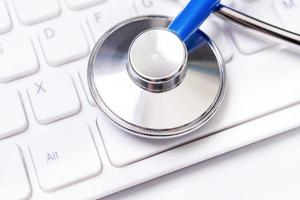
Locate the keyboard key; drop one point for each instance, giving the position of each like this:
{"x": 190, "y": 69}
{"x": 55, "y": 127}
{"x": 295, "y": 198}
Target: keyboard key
{"x": 151, "y": 7}
{"x": 103, "y": 19}
{"x": 219, "y": 36}
{"x": 288, "y": 12}
{"x": 64, "y": 155}
{"x": 251, "y": 43}
{"x": 80, "y": 4}
{"x": 124, "y": 149}
{"x": 12, "y": 116}
{"x": 5, "y": 22}
{"x": 183, "y": 2}
{"x": 34, "y": 11}
{"x": 53, "y": 97}
{"x": 17, "y": 58}
{"x": 63, "y": 43}
{"x": 14, "y": 182}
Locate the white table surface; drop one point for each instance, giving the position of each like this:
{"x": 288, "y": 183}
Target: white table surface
{"x": 266, "y": 170}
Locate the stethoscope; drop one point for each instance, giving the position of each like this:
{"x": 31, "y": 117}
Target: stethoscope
{"x": 158, "y": 78}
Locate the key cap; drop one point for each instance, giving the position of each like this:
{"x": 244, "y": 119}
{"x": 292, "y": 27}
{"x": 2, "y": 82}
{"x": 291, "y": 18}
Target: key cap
{"x": 224, "y": 2}
{"x": 14, "y": 182}
{"x": 219, "y": 35}
{"x": 63, "y": 42}
{"x": 34, "y": 11}
{"x": 103, "y": 19}
{"x": 17, "y": 57}
{"x": 251, "y": 43}
{"x": 53, "y": 97}
{"x": 80, "y": 4}
{"x": 63, "y": 155}
{"x": 12, "y": 116}
{"x": 159, "y": 7}
{"x": 5, "y": 22}
{"x": 183, "y": 2}
{"x": 124, "y": 149}
{"x": 288, "y": 11}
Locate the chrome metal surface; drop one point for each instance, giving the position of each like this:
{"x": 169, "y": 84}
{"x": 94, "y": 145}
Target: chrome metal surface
{"x": 154, "y": 115}
{"x": 157, "y": 60}
{"x": 263, "y": 29}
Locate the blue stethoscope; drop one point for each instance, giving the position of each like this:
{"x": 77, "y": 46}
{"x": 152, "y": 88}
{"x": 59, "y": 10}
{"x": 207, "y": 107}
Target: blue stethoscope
{"x": 161, "y": 78}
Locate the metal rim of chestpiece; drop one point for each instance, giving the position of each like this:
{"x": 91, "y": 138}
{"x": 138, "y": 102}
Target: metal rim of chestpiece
{"x": 157, "y": 114}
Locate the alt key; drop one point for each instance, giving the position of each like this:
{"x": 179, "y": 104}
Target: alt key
{"x": 64, "y": 155}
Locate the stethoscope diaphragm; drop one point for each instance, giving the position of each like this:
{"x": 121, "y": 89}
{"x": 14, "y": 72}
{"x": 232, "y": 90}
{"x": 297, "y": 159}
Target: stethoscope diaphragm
{"x": 148, "y": 101}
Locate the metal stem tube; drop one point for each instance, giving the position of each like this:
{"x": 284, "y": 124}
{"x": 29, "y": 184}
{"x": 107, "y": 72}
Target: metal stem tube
{"x": 263, "y": 29}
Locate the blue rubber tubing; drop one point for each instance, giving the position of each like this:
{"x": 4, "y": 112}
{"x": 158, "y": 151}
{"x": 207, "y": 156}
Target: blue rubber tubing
{"x": 191, "y": 17}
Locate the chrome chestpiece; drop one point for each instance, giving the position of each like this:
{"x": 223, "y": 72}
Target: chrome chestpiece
{"x": 150, "y": 83}
{"x": 157, "y": 60}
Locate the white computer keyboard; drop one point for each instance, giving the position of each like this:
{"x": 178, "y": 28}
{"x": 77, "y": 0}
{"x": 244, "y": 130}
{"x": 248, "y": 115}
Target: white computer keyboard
{"x": 54, "y": 142}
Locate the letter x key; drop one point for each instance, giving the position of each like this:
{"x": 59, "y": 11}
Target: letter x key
{"x": 40, "y": 87}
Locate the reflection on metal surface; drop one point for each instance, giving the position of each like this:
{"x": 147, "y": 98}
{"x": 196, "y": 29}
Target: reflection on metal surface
{"x": 156, "y": 115}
